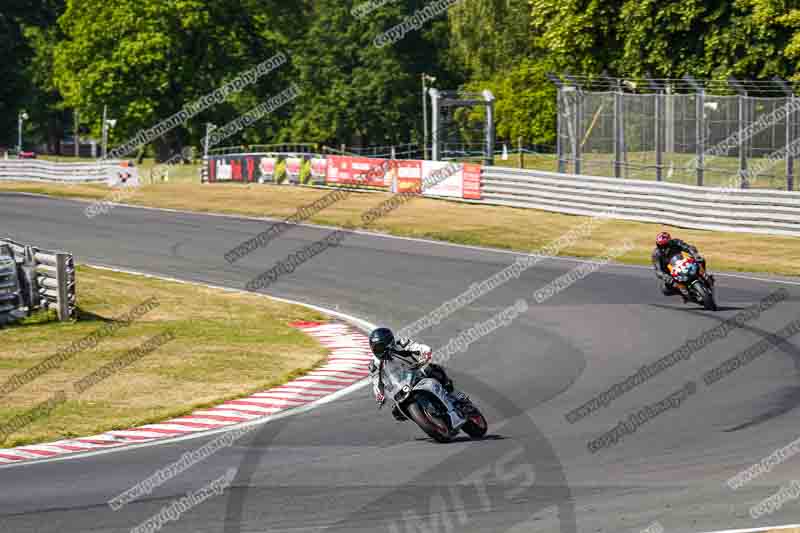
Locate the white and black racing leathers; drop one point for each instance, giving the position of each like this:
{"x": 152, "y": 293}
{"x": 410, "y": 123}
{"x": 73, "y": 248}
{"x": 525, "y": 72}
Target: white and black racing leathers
{"x": 406, "y": 353}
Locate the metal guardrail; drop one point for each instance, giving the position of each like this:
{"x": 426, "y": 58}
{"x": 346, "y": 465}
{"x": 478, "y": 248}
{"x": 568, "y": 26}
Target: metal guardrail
{"x": 38, "y": 170}
{"x": 723, "y": 209}
{"x": 45, "y": 280}
{"x": 751, "y": 210}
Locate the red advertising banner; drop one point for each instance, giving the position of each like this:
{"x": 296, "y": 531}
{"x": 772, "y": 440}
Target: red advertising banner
{"x": 472, "y": 181}
{"x": 409, "y": 176}
{"x": 455, "y": 180}
{"x": 251, "y": 164}
{"x": 363, "y": 171}
{"x": 236, "y": 170}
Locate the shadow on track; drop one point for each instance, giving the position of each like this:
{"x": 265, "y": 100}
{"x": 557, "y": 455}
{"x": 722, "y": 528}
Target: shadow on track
{"x": 786, "y": 400}
{"x": 500, "y": 478}
{"x": 463, "y": 438}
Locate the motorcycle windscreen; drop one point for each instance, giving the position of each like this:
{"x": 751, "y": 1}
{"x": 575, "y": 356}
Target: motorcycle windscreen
{"x": 395, "y": 375}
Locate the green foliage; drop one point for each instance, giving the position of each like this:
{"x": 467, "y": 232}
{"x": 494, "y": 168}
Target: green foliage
{"x": 526, "y": 102}
{"x": 490, "y": 35}
{"x": 13, "y": 50}
{"x": 147, "y": 59}
{"x": 27, "y": 32}
{"x": 669, "y": 38}
{"x": 353, "y": 91}
{"x": 749, "y": 39}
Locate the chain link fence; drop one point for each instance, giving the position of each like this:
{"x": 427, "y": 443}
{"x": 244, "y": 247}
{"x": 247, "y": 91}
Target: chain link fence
{"x": 735, "y": 141}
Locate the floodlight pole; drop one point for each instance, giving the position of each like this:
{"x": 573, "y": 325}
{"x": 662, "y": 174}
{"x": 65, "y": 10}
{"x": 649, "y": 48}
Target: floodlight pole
{"x": 435, "y": 95}
{"x": 490, "y": 135}
{"x": 21, "y": 117}
{"x": 425, "y": 78}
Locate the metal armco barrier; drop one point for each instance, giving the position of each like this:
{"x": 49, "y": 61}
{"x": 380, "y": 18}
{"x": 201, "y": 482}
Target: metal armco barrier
{"x": 752, "y": 210}
{"x": 765, "y": 211}
{"x": 45, "y": 280}
{"x": 109, "y": 172}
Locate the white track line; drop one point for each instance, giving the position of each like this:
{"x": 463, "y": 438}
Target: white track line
{"x": 755, "y": 529}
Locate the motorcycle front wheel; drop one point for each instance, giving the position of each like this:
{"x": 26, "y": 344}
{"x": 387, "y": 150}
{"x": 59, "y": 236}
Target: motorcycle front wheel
{"x": 430, "y": 415}
{"x": 706, "y": 296}
{"x": 475, "y": 426}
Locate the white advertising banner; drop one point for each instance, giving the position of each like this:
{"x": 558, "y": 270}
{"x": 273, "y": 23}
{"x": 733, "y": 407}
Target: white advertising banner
{"x": 224, "y": 170}
{"x": 451, "y": 186}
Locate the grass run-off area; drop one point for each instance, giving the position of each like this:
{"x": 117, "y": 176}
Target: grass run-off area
{"x": 494, "y": 226}
{"x": 225, "y": 345}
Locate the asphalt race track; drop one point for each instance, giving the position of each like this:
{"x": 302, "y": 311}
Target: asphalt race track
{"x": 348, "y": 467}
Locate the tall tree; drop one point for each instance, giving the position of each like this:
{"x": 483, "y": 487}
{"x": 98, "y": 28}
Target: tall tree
{"x": 493, "y": 40}
{"x": 13, "y": 49}
{"x": 670, "y": 38}
{"x": 490, "y": 36}
{"x": 146, "y": 59}
{"x": 23, "y": 25}
{"x": 355, "y": 91}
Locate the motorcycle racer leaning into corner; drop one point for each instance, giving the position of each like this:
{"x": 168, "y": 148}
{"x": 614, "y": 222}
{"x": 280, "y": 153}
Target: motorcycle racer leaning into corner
{"x": 392, "y": 354}
{"x": 666, "y": 248}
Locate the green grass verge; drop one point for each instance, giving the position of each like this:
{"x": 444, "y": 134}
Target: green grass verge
{"x": 226, "y": 345}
